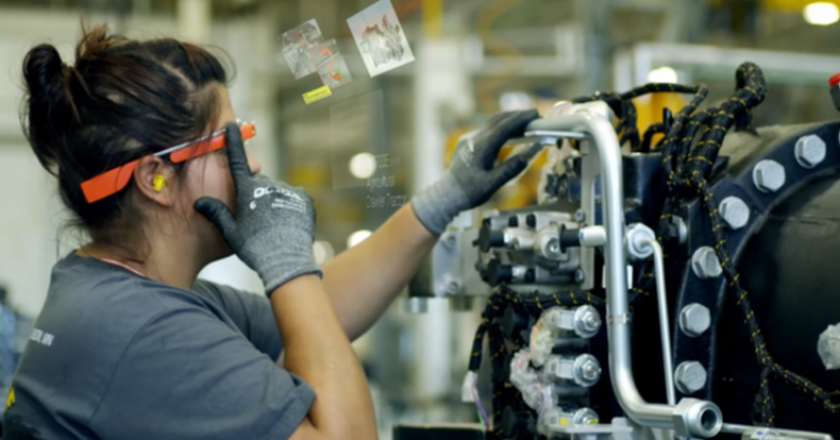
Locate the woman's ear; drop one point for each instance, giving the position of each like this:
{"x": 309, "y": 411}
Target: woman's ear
{"x": 153, "y": 178}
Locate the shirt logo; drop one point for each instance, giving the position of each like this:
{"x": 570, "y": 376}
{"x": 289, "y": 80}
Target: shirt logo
{"x": 42, "y": 337}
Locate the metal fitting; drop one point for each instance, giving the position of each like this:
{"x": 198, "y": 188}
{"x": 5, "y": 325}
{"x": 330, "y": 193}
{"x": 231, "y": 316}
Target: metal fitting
{"x": 735, "y": 212}
{"x": 584, "y": 321}
{"x": 690, "y": 377}
{"x": 415, "y": 305}
{"x": 518, "y": 238}
{"x": 584, "y": 370}
{"x": 809, "y": 151}
{"x": 579, "y": 276}
{"x": 695, "y": 319}
{"x": 453, "y": 287}
{"x": 705, "y": 263}
{"x": 592, "y": 236}
{"x": 552, "y": 248}
{"x": 679, "y": 230}
{"x": 580, "y": 216}
{"x": 637, "y": 246}
{"x": 558, "y": 417}
{"x": 549, "y": 243}
{"x": 695, "y": 418}
{"x": 769, "y": 176}
{"x": 449, "y": 240}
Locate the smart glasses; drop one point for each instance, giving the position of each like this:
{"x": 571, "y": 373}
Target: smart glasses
{"x": 112, "y": 181}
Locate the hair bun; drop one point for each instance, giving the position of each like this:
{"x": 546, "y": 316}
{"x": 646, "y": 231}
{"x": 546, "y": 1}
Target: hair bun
{"x": 48, "y": 100}
{"x": 43, "y": 71}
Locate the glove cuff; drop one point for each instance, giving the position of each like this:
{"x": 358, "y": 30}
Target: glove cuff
{"x": 286, "y": 267}
{"x": 278, "y": 265}
{"x": 437, "y": 205}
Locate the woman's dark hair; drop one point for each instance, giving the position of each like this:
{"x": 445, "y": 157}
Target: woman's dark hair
{"x": 121, "y": 100}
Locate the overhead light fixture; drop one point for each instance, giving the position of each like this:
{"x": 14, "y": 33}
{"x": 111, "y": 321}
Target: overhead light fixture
{"x": 663, "y": 75}
{"x": 358, "y": 237}
{"x": 821, "y": 13}
{"x": 363, "y": 165}
{"x": 512, "y": 101}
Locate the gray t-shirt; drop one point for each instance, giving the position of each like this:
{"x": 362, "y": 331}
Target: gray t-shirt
{"x": 118, "y": 356}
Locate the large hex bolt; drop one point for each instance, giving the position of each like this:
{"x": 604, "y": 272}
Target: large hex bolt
{"x": 695, "y": 319}
{"x": 809, "y": 151}
{"x": 735, "y": 212}
{"x": 690, "y": 377}
{"x": 583, "y": 322}
{"x": 769, "y": 176}
{"x": 583, "y": 370}
{"x": 705, "y": 263}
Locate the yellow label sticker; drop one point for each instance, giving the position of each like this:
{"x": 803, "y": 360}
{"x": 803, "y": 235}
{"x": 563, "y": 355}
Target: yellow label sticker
{"x": 317, "y": 94}
{"x": 593, "y": 422}
{"x": 10, "y": 398}
{"x": 564, "y": 421}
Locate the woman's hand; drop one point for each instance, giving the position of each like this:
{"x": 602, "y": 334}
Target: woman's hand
{"x": 471, "y": 178}
{"x": 273, "y": 227}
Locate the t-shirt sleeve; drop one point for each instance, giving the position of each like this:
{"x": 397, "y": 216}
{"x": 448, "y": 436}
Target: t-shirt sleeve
{"x": 188, "y": 375}
{"x": 251, "y": 313}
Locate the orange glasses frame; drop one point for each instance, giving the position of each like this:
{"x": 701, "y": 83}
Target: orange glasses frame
{"x": 112, "y": 181}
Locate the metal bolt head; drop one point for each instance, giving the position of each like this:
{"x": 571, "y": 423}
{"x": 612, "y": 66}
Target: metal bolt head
{"x": 450, "y": 241}
{"x": 678, "y": 228}
{"x": 592, "y": 321}
{"x": 735, "y": 212}
{"x": 769, "y": 176}
{"x": 553, "y": 246}
{"x": 586, "y": 321}
{"x": 809, "y": 151}
{"x": 585, "y": 416}
{"x": 695, "y": 319}
{"x": 453, "y": 287}
{"x": 690, "y": 377}
{"x": 580, "y": 216}
{"x": 705, "y": 263}
{"x": 591, "y": 371}
{"x": 579, "y": 276}
{"x": 587, "y": 370}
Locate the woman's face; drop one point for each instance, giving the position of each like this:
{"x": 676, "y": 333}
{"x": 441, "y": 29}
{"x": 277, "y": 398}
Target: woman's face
{"x": 209, "y": 176}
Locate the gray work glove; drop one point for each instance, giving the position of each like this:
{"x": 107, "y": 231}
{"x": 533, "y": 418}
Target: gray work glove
{"x": 273, "y": 227}
{"x": 471, "y": 178}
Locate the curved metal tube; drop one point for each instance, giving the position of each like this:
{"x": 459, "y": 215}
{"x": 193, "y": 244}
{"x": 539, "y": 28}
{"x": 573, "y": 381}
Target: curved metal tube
{"x": 664, "y": 325}
{"x": 618, "y": 314}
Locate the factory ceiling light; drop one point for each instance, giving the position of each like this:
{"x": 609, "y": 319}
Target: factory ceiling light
{"x": 363, "y": 165}
{"x": 663, "y": 75}
{"x": 821, "y": 13}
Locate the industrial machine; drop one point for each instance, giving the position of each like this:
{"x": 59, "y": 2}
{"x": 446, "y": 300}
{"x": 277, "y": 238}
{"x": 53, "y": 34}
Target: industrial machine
{"x": 681, "y": 287}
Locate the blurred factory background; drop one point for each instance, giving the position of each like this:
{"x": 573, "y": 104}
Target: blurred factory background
{"x": 363, "y": 151}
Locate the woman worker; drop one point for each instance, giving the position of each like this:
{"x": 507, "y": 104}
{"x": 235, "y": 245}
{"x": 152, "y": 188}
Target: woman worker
{"x": 130, "y": 344}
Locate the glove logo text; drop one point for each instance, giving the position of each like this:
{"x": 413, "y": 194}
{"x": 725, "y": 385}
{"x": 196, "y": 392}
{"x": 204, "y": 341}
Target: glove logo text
{"x": 260, "y": 192}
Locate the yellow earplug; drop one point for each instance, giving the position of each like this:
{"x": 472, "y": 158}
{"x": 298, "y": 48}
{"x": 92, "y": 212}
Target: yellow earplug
{"x": 159, "y": 182}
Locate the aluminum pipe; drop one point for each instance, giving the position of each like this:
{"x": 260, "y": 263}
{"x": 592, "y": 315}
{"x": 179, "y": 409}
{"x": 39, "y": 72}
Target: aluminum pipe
{"x": 603, "y": 137}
